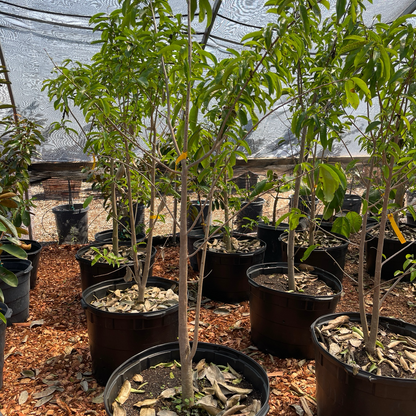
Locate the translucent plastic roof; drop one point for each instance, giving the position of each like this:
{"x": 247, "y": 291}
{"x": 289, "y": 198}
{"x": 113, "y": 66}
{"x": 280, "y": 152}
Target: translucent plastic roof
{"x": 34, "y": 34}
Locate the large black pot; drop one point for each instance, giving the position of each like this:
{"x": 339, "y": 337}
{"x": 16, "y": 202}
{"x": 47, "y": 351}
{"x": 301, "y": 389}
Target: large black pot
{"x": 33, "y": 254}
{"x": 7, "y": 312}
{"x": 225, "y": 273}
{"x": 280, "y": 321}
{"x": 71, "y": 223}
{"x": 253, "y": 211}
{"x": 331, "y": 259}
{"x": 115, "y": 337}
{"x": 391, "y": 246}
{"x": 220, "y": 355}
{"x": 270, "y": 235}
{"x": 101, "y": 272}
{"x": 17, "y": 298}
{"x": 340, "y": 392}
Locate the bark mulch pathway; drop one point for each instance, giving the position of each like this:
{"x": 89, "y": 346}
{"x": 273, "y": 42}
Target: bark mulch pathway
{"x": 47, "y": 367}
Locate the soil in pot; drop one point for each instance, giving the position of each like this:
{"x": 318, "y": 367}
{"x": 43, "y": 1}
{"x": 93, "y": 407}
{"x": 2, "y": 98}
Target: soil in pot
{"x": 329, "y": 254}
{"x": 351, "y": 382}
{"x": 225, "y": 272}
{"x": 119, "y": 326}
{"x": 33, "y": 255}
{"x": 101, "y": 270}
{"x": 238, "y": 376}
{"x": 391, "y": 246}
{"x": 280, "y": 319}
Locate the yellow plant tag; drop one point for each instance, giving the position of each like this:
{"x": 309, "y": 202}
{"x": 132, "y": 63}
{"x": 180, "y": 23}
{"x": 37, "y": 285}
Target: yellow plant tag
{"x": 183, "y": 156}
{"x": 396, "y": 229}
{"x": 94, "y": 161}
{"x": 154, "y": 217}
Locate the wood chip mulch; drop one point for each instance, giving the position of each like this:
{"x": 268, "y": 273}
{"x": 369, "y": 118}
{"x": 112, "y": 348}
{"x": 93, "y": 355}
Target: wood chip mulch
{"x": 47, "y": 367}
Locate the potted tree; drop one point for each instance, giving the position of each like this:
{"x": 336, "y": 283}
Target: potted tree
{"x": 378, "y": 67}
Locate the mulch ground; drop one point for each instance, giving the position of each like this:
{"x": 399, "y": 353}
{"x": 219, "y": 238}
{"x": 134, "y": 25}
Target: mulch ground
{"x": 47, "y": 368}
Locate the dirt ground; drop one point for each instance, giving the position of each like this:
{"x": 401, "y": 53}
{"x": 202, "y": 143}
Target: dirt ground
{"x": 47, "y": 367}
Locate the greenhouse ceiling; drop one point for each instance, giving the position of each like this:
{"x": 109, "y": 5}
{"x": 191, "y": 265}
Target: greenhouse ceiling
{"x": 35, "y": 34}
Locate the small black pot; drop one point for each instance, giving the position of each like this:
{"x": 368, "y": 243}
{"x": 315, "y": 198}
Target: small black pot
{"x": 194, "y": 208}
{"x": 391, "y": 246}
{"x": 252, "y": 211}
{"x": 409, "y": 219}
{"x": 71, "y": 223}
{"x": 270, "y": 235}
{"x": 33, "y": 255}
{"x": 340, "y": 392}
{"x": 280, "y": 321}
{"x": 331, "y": 259}
{"x": 351, "y": 203}
{"x": 212, "y": 353}
{"x": 115, "y": 337}
{"x": 225, "y": 273}
{"x": 17, "y": 298}
{"x": 7, "y": 312}
{"x": 101, "y": 272}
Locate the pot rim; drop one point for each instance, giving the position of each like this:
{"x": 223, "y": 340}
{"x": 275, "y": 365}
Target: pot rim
{"x": 348, "y": 368}
{"x": 294, "y": 294}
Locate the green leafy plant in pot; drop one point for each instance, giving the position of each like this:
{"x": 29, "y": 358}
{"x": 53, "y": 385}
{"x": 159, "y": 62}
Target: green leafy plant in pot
{"x": 378, "y": 71}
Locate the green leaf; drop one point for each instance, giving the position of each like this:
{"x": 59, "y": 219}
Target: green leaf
{"x": 352, "y": 96}
{"x": 355, "y": 220}
{"x": 88, "y": 201}
{"x": 305, "y": 18}
{"x": 340, "y": 8}
{"x": 8, "y": 277}
{"x": 308, "y": 252}
{"x": 363, "y": 86}
{"x": 342, "y": 226}
{"x": 14, "y": 250}
{"x": 329, "y": 180}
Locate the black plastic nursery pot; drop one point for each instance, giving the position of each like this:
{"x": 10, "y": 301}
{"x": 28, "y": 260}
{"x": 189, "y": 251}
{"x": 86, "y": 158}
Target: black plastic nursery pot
{"x": 409, "y": 219}
{"x": 17, "y": 298}
{"x": 270, "y": 235}
{"x": 391, "y": 246}
{"x": 139, "y": 211}
{"x": 331, "y": 259}
{"x": 280, "y": 321}
{"x": 194, "y": 235}
{"x": 340, "y": 392}
{"x": 225, "y": 273}
{"x": 71, "y": 223}
{"x": 194, "y": 208}
{"x": 351, "y": 203}
{"x": 115, "y": 337}
{"x": 101, "y": 272}
{"x": 212, "y": 353}
{"x": 250, "y": 212}
{"x": 33, "y": 254}
{"x": 7, "y": 312}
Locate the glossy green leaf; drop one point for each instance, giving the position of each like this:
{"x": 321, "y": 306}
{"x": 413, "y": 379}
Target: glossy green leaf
{"x": 8, "y": 277}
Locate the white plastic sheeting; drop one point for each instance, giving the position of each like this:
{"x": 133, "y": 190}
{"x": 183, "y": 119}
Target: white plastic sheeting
{"x": 34, "y": 34}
